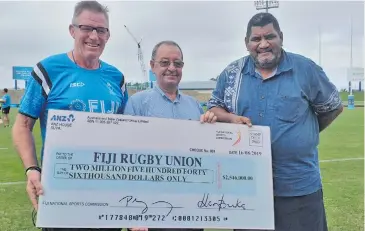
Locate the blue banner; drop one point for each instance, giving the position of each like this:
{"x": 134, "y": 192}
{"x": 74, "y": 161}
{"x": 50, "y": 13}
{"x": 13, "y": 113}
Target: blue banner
{"x": 22, "y": 73}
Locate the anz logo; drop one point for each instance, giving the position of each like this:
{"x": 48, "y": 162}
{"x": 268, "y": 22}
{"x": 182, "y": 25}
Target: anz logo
{"x": 59, "y": 118}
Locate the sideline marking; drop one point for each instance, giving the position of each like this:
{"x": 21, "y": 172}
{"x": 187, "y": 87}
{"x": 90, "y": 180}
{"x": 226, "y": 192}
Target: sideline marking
{"x": 340, "y": 160}
{"x": 13, "y": 183}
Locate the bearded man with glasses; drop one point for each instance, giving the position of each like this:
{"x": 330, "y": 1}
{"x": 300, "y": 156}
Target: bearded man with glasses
{"x": 77, "y": 80}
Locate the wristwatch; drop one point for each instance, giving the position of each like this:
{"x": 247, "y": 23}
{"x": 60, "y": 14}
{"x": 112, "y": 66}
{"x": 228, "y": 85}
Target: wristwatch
{"x": 33, "y": 168}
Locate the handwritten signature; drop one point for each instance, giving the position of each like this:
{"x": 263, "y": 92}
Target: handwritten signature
{"x": 130, "y": 201}
{"x": 221, "y": 204}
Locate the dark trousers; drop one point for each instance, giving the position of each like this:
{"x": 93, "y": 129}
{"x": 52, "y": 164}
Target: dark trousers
{"x": 303, "y": 213}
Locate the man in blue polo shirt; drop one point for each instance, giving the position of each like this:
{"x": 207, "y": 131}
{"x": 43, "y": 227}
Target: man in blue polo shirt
{"x": 75, "y": 81}
{"x": 292, "y": 95}
{"x": 165, "y": 100}
{"x": 5, "y": 108}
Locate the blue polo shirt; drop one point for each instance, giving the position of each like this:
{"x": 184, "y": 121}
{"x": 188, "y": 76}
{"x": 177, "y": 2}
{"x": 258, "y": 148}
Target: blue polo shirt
{"x": 7, "y": 100}
{"x": 288, "y": 102}
{"x": 58, "y": 83}
{"x": 154, "y": 103}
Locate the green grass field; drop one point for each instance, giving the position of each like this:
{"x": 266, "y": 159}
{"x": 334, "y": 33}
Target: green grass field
{"x": 343, "y": 180}
{"x": 358, "y": 95}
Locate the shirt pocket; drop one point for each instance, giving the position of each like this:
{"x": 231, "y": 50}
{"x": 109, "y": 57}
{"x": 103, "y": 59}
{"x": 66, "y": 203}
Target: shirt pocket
{"x": 290, "y": 108}
{"x": 154, "y": 112}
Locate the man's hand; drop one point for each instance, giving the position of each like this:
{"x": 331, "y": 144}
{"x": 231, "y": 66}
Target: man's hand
{"x": 208, "y": 117}
{"x": 34, "y": 187}
{"x": 227, "y": 117}
{"x": 235, "y": 119}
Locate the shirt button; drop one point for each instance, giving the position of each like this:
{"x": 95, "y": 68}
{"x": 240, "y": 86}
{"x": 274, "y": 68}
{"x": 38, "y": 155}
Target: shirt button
{"x": 260, "y": 114}
{"x": 262, "y": 97}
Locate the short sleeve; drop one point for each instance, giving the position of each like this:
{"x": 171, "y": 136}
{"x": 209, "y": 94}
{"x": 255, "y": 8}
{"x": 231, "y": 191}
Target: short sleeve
{"x": 217, "y": 97}
{"x": 125, "y": 96}
{"x": 34, "y": 97}
{"x": 324, "y": 96}
{"x": 130, "y": 108}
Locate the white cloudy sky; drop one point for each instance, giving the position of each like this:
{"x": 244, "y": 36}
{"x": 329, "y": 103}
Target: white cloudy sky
{"x": 211, "y": 34}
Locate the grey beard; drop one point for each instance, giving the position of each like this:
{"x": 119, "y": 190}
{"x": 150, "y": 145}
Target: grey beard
{"x": 267, "y": 65}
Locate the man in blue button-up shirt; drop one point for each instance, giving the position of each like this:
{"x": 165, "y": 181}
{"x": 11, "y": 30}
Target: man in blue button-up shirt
{"x": 292, "y": 95}
{"x": 165, "y": 100}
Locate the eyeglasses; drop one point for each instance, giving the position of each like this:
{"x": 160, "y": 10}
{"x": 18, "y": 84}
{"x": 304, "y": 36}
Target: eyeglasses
{"x": 167, "y": 63}
{"x": 89, "y": 29}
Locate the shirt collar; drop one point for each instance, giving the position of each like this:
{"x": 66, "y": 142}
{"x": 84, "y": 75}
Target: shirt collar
{"x": 159, "y": 90}
{"x": 285, "y": 64}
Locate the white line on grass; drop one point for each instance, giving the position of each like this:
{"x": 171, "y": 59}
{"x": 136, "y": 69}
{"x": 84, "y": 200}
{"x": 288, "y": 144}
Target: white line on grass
{"x": 340, "y": 160}
{"x": 4, "y": 148}
{"x": 332, "y": 160}
{"x": 12, "y": 183}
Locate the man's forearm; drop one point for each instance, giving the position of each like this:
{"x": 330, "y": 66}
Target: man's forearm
{"x": 24, "y": 144}
{"x": 324, "y": 120}
{"x": 222, "y": 115}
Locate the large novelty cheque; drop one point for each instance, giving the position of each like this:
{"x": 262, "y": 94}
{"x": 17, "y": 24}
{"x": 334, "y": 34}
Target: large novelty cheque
{"x": 105, "y": 171}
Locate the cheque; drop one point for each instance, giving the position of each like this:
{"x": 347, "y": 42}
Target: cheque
{"x": 119, "y": 171}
